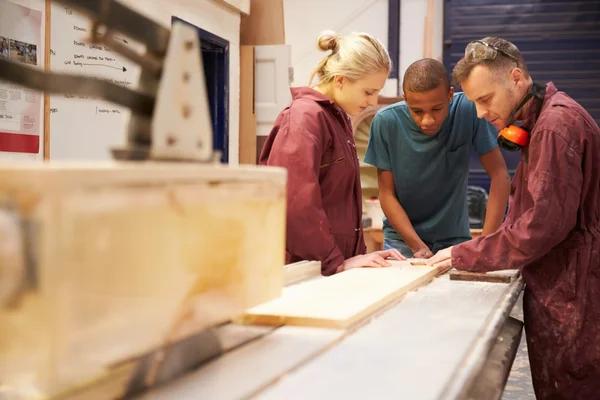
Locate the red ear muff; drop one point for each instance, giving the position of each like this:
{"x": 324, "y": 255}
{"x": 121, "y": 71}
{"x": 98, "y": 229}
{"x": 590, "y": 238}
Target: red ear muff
{"x": 513, "y": 138}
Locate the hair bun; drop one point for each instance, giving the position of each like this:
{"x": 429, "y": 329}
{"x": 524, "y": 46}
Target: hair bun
{"x": 328, "y": 40}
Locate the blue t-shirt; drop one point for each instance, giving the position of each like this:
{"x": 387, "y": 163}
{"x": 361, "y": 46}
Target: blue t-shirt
{"x": 430, "y": 172}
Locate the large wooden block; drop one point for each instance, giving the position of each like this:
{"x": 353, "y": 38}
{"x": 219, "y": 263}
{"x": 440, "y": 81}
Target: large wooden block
{"x": 131, "y": 254}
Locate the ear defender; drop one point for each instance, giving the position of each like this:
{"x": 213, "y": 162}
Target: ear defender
{"x": 515, "y": 138}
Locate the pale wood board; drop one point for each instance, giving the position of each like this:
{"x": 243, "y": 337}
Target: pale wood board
{"x": 428, "y": 35}
{"x": 300, "y": 271}
{"x": 340, "y": 300}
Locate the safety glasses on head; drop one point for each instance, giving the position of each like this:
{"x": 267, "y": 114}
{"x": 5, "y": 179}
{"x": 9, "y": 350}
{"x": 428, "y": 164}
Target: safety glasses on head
{"x": 480, "y": 50}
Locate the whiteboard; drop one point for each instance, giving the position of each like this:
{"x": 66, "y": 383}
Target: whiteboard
{"x": 86, "y": 128}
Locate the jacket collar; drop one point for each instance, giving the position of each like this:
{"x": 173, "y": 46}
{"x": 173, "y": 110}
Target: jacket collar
{"x": 529, "y": 116}
{"x": 304, "y": 92}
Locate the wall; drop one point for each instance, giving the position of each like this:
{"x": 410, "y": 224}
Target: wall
{"x": 38, "y": 5}
{"x": 305, "y": 19}
{"x": 220, "y": 17}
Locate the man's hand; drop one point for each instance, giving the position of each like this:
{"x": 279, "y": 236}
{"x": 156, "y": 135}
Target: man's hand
{"x": 423, "y": 252}
{"x": 442, "y": 258}
{"x": 377, "y": 259}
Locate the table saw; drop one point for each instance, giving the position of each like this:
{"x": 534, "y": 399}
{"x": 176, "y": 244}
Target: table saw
{"x": 446, "y": 340}
{"x": 91, "y": 311}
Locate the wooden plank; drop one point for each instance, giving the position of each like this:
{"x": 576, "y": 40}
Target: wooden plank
{"x": 340, "y": 300}
{"x": 300, "y": 271}
{"x": 247, "y": 138}
{"x": 429, "y": 25}
{"x": 479, "y": 277}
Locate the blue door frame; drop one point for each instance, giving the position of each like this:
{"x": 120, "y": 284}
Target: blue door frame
{"x": 215, "y": 59}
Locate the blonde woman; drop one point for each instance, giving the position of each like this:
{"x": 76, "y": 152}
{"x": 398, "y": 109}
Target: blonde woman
{"x": 313, "y": 139}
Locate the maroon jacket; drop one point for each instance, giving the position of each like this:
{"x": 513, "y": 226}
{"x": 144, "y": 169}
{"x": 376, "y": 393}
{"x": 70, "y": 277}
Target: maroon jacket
{"x": 313, "y": 139}
{"x": 552, "y": 234}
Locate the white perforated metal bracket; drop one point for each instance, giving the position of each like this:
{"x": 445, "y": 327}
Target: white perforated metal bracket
{"x": 181, "y": 126}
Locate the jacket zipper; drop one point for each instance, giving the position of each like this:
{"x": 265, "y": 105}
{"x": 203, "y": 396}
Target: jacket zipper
{"x": 339, "y": 160}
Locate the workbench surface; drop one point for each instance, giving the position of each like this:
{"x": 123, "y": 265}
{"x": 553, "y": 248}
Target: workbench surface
{"x": 412, "y": 349}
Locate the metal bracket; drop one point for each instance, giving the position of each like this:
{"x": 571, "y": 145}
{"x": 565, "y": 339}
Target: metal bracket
{"x": 181, "y": 127}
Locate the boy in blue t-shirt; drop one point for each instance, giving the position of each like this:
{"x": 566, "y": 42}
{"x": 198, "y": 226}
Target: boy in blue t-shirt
{"x": 421, "y": 148}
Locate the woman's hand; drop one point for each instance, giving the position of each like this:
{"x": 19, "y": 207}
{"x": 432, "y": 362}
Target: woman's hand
{"x": 377, "y": 259}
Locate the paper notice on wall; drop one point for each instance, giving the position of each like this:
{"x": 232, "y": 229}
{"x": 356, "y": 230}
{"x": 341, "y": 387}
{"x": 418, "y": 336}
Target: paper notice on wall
{"x": 20, "y": 108}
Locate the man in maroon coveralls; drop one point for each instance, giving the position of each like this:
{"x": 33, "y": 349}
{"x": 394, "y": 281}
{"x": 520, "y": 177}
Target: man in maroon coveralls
{"x": 552, "y": 231}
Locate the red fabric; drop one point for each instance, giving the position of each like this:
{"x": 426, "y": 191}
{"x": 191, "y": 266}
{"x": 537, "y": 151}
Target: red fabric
{"x": 19, "y": 143}
{"x": 313, "y": 139}
{"x": 552, "y": 234}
